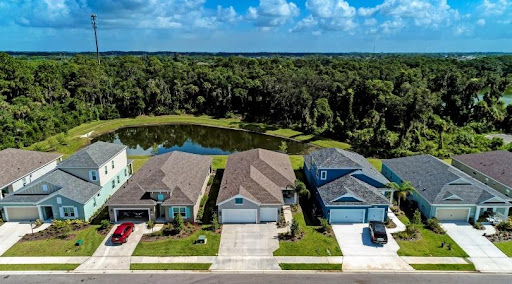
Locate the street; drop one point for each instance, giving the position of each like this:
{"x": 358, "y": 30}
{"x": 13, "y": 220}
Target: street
{"x": 271, "y": 278}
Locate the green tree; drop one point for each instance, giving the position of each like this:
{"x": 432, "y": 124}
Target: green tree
{"x": 401, "y": 190}
{"x": 301, "y": 189}
{"x": 178, "y": 224}
{"x": 416, "y": 217}
{"x": 283, "y": 147}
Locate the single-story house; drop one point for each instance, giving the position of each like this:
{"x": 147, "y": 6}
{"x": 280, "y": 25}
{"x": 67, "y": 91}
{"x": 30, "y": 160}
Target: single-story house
{"x": 167, "y": 185}
{"x": 255, "y": 185}
{"x": 443, "y": 191}
{"x": 348, "y": 188}
{"x": 20, "y": 167}
{"x": 77, "y": 189}
{"x": 492, "y": 168}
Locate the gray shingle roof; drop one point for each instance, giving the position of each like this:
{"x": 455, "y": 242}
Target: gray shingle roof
{"x": 92, "y": 156}
{"x": 181, "y": 174}
{"x": 16, "y": 163}
{"x": 58, "y": 182}
{"x": 350, "y": 185}
{"x": 258, "y": 175}
{"x": 435, "y": 180}
{"x": 496, "y": 164}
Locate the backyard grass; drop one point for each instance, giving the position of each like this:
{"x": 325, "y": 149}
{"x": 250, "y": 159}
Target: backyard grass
{"x": 377, "y": 163}
{"x": 58, "y": 247}
{"x": 180, "y": 247}
{"x": 170, "y": 266}
{"x": 452, "y": 267}
{"x": 38, "y": 267}
{"x": 138, "y": 161}
{"x": 328, "y": 143}
{"x": 310, "y": 266}
{"x": 219, "y": 161}
{"x": 297, "y": 162}
{"x": 505, "y": 247}
{"x": 313, "y": 243}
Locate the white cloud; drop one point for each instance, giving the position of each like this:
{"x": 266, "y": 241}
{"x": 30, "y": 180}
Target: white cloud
{"x": 333, "y": 15}
{"x": 494, "y": 8}
{"x": 390, "y": 27}
{"x": 272, "y": 13}
{"x": 370, "y": 22}
{"x": 462, "y": 30}
{"x": 481, "y": 22}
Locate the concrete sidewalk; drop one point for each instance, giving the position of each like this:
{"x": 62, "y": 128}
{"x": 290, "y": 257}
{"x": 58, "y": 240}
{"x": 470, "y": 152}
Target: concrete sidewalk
{"x": 173, "y": 259}
{"x": 310, "y": 259}
{"x": 434, "y": 260}
{"x": 400, "y": 227}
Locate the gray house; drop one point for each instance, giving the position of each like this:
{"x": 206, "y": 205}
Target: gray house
{"x": 492, "y": 168}
{"x": 443, "y": 191}
{"x": 167, "y": 185}
{"x": 255, "y": 185}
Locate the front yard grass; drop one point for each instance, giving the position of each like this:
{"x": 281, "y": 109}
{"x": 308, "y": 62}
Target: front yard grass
{"x": 452, "y": 267}
{"x": 170, "y": 266}
{"x": 38, "y": 267}
{"x": 310, "y": 266}
{"x": 59, "y": 247}
{"x": 180, "y": 246}
{"x": 313, "y": 243}
{"x": 505, "y": 247}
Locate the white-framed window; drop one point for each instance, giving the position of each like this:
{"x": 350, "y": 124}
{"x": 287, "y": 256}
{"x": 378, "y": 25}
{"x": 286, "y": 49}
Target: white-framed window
{"x": 113, "y": 165}
{"x": 68, "y": 212}
{"x": 106, "y": 170}
{"x": 94, "y": 202}
{"x": 239, "y": 201}
{"x": 93, "y": 175}
{"x": 323, "y": 175}
{"x": 125, "y": 172}
{"x": 59, "y": 200}
{"x": 179, "y": 210}
{"x": 113, "y": 184}
{"x": 45, "y": 187}
{"x": 24, "y": 181}
{"x": 118, "y": 179}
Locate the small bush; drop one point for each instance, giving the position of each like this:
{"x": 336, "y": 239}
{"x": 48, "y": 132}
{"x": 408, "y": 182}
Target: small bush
{"x": 200, "y": 213}
{"x": 411, "y": 233}
{"x": 505, "y": 226}
{"x": 215, "y": 222}
{"x": 433, "y": 225}
{"x": 104, "y": 224}
{"x": 326, "y": 227}
{"x": 295, "y": 229}
{"x": 416, "y": 217}
{"x": 178, "y": 224}
{"x": 478, "y": 226}
{"x": 38, "y": 222}
{"x": 150, "y": 224}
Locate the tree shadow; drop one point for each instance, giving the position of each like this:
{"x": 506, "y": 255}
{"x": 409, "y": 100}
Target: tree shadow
{"x": 310, "y": 207}
{"x": 211, "y": 203}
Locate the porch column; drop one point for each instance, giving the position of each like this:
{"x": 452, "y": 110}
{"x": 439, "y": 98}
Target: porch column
{"x": 506, "y": 211}
{"x": 477, "y": 214}
{"x": 391, "y": 197}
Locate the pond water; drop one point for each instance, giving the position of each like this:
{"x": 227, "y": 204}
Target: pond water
{"x": 506, "y": 99}
{"x": 197, "y": 139}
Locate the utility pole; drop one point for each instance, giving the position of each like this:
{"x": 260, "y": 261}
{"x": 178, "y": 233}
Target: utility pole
{"x": 94, "y": 26}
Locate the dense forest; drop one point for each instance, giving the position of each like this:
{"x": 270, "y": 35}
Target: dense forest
{"x": 383, "y": 106}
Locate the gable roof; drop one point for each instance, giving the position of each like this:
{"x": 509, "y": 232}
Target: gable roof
{"x": 92, "y": 156}
{"x": 349, "y": 185}
{"x": 433, "y": 179}
{"x": 58, "y": 183}
{"x": 258, "y": 175}
{"x": 16, "y": 163}
{"x": 181, "y": 174}
{"x": 496, "y": 164}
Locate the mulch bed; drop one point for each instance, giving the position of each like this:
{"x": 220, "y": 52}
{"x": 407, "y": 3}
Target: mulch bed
{"x": 54, "y": 232}
{"x": 166, "y": 233}
{"x": 500, "y": 236}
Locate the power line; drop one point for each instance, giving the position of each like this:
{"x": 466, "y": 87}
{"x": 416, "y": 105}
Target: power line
{"x": 94, "y": 26}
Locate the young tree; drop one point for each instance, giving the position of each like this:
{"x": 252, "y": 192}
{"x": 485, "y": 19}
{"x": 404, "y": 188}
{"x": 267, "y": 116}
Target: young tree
{"x": 301, "y": 189}
{"x": 215, "y": 222}
{"x": 401, "y": 190}
{"x": 178, "y": 224}
{"x": 416, "y": 217}
{"x": 283, "y": 147}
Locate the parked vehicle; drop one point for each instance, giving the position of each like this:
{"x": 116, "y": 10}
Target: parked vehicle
{"x": 122, "y": 233}
{"x": 378, "y": 232}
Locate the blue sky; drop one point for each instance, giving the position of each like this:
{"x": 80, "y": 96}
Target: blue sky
{"x": 258, "y": 25}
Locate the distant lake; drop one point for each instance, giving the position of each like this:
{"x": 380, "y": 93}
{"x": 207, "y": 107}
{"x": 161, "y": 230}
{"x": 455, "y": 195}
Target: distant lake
{"x": 197, "y": 139}
{"x": 506, "y": 99}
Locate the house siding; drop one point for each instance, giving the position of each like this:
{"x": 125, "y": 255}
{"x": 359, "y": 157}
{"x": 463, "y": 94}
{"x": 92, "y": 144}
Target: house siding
{"x": 14, "y": 186}
{"x": 483, "y": 178}
{"x": 169, "y": 213}
{"x": 65, "y": 202}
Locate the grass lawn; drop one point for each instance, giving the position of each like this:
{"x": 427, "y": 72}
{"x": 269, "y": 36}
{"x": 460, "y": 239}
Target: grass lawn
{"x": 170, "y": 266}
{"x": 505, "y": 247}
{"x": 313, "y": 243}
{"x": 297, "y": 162}
{"x": 310, "y": 266}
{"x": 377, "y": 163}
{"x": 58, "y": 247}
{"x": 219, "y": 161}
{"x": 328, "y": 143}
{"x": 453, "y": 267}
{"x": 38, "y": 267}
{"x": 180, "y": 247}
{"x": 138, "y": 161}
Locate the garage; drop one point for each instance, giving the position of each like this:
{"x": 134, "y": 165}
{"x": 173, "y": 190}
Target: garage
{"x": 268, "y": 215}
{"x": 239, "y": 215}
{"x": 346, "y": 216}
{"x": 452, "y": 214}
{"x": 376, "y": 214}
{"x": 22, "y": 213}
{"x": 131, "y": 215}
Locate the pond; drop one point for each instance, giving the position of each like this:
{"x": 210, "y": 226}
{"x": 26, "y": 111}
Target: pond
{"x": 507, "y": 99}
{"x": 197, "y": 139}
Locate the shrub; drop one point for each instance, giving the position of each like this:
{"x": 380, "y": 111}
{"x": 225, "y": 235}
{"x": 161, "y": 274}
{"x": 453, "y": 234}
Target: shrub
{"x": 301, "y": 189}
{"x": 326, "y": 227}
{"x": 178, "y": 224}
{"x": 478, "y": 226}
{"x": 150, "y": 224}
{"x": 433, "y": 225}
{"x": 215, "y": 222}
{"x": 38, "y": 222}
{"x": 283, "y": 147}
{"x": 410, "y": 233}
{"x": 104, "y": 224}
{"x": 505, "y": 226}
{"x": 295, "y": 229}
{"x": 200, "y": 213}
{"x": 416, "y": 217}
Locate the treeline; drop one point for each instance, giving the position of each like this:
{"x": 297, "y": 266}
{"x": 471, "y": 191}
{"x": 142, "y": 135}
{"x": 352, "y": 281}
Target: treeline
{"x": 385, "y": 107}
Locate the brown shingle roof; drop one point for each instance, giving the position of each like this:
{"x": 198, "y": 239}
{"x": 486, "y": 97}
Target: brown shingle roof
{"x": 258, "y": 175}
{"x": 496, "y": 164}
{"x": 16, "y": 163}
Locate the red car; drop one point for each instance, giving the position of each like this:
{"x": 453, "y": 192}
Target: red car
{"x": 122, "y": 232}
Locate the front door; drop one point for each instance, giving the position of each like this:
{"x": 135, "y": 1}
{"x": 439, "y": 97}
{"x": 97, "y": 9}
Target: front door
{"x": 47, "y": 213}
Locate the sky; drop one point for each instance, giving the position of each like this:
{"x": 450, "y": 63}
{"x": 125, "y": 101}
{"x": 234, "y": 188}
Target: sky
{"x": 258, "y": 25}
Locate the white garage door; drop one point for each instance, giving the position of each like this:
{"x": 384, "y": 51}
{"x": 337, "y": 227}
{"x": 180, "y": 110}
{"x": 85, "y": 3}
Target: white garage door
{"x": 239, "y": 215}
{"x": 376, "y": 214}
{"x": 268, "y": 214}
{"x": 454, "y": 214}
{"x": 22, "y": 213}
{"x": 346, "y": 216}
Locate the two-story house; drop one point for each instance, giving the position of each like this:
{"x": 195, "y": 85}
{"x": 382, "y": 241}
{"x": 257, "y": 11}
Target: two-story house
{"x": 77, "y": 189}
{"x": 20, "y": 167}
{"x": 167, "y": 185}
{"x": 348, "y": 188}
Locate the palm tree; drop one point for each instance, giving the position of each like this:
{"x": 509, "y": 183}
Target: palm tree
{"x": 401, "y": 190}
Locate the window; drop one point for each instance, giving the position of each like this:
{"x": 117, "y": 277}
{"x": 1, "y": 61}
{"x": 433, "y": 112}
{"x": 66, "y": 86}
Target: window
{"x": 24, "y": 181}
{"x": 179, "y": 210}
{"x": 59, "y": 200}
{"x": 118, "y": 179}
{"x": 106, "y": 170}
{"x": 69, "y": 212}
{"x": 239, "y": 201}
{"x": 113, "y": 184}
{"x": 45, "y": 187}
{"x": 113, "y": 164}
{"x": 93, "y": 175}
{"x": 94, "y": 201}
{"x": 323, "y": 175}
{"x": 160, "y": 197}
{"x": 125, "y": 172}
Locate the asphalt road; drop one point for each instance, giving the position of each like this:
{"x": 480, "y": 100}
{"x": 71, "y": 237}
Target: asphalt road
{"x": 281, "y": 278}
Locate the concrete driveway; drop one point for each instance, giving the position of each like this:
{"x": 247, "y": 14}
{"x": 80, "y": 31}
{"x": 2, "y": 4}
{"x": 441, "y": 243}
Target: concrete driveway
{"x": 483, "y": 253}
{"x": 247, "y": 247}
{"x": 12, "y": 232}
{"x": 361, "y": 254}
{"x": 109, "y": 256}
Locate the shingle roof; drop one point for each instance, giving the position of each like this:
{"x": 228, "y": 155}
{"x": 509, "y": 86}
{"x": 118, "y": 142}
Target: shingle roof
{"x": 16, "y": 163}
{"x": 348, "y": 184}
{"x": 92, "y": 156}
{"x": 58, "y": 182}
{"x": 257, "y": 174}
{"x": 433, "y": 179}
{"x": 181, "y": 174}
{"x": 496, "y": 165}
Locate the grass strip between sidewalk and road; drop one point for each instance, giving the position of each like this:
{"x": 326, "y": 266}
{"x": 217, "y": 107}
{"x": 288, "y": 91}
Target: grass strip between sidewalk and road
{"x": 38, "y": 267}
{"x": 311, "y": 266}
{"x": 449, "y": 267}
{"x": 170, "y": 266}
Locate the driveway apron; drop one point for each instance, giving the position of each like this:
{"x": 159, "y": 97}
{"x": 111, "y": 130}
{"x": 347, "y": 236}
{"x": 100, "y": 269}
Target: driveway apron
{"x": 12, "y": 232}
